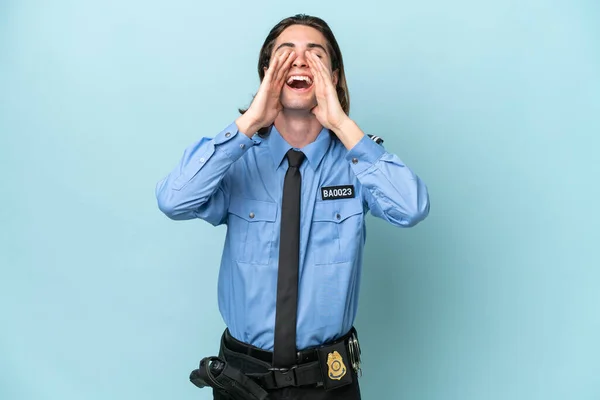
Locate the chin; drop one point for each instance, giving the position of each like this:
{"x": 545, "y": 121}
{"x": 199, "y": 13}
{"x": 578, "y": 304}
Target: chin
{"x": 298, "y": 104}
{"x": 298, "y": 99}
{"x": 298, "y": 107}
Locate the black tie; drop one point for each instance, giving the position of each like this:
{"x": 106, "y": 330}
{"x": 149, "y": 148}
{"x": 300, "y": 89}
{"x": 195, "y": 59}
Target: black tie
{"x": 284, "y": 352}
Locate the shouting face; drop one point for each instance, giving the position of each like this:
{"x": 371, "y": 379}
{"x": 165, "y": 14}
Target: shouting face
{"x": 298, "y": 91}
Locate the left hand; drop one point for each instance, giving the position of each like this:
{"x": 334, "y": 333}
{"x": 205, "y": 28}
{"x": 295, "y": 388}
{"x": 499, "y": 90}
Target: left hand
{"x": 328, "y": 111}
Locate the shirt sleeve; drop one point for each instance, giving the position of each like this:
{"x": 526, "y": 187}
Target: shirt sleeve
{"x": 392, "y": 191}
{"x": 197, "y": 187}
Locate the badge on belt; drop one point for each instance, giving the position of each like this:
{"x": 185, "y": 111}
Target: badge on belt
{"x": 334, "y": 360}
{"x": 337, "y": 369}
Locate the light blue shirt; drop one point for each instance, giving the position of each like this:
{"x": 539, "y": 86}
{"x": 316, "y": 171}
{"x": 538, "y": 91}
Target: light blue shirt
{"x": 234, "y": 180}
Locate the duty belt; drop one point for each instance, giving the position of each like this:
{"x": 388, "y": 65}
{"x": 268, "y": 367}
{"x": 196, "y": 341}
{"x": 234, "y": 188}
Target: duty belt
{"x": 326, "y": 366}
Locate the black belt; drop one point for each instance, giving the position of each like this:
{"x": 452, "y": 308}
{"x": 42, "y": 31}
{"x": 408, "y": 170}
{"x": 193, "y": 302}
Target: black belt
{"x": 302, "y": 356}
{"x": 311, "y": 364}
{"x": 329, "y": 365}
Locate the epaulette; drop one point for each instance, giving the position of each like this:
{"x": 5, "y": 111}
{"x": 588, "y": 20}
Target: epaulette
{"x": 376, "y": 139}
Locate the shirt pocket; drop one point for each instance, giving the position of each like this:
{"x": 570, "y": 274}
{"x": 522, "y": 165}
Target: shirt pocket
{"x": 336, "y": 230}
{"x": 251, "y": 227}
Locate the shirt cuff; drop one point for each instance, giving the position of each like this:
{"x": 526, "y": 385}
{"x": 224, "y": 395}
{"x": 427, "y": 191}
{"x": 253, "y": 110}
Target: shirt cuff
{"x": 364, "y": 154}
{"x": 233, "y": 142}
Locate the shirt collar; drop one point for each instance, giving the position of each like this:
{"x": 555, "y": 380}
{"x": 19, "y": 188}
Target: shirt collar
{"x": 314, "y": 151}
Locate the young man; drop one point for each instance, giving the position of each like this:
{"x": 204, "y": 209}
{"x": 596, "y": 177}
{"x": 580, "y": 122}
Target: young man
{"x": 293, "y": 178}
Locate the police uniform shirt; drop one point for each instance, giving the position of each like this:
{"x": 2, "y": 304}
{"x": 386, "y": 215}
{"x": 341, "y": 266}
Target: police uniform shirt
{"x": 238, "y": 181}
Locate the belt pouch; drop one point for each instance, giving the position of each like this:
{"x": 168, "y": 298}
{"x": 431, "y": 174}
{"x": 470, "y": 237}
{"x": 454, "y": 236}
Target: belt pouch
{"x": 335, "y": 365}
{"x": 228, "y": 380}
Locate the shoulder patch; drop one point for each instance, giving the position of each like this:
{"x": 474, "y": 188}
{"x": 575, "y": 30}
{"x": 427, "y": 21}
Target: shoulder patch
{"x": 376, "y": 139}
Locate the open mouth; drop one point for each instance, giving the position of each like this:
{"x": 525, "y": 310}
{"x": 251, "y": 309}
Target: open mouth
{"x": 299, "y": 83}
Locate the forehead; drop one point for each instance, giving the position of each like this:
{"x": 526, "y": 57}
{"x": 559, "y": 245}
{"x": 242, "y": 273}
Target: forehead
{"x": 301, "y": 35}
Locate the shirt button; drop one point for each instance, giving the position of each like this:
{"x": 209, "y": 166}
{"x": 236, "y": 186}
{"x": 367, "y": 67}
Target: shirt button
{"x": 242, "y": 146}
{"x": 228, "y": 134}
{"x": 338, "y": 216}
{"x": 354, "y": 160}
{"x": 202, "y": 160}
{"x": 251, "y": 215}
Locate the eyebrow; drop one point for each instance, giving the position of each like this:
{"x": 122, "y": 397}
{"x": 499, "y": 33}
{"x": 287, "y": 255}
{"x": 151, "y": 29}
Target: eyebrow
{"x": 310, "y": 46}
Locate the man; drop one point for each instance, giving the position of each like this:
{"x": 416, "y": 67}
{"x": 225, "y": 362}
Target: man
{"x": 292, "y": 178}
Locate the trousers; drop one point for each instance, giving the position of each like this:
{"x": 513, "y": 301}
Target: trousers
{"x": 347, "y": 392}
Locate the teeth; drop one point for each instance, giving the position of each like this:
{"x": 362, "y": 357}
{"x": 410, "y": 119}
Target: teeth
{"x": 299, "y": 78}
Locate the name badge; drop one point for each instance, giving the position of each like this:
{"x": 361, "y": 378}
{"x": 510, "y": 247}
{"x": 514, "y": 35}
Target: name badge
{"x": 337, "y": 192}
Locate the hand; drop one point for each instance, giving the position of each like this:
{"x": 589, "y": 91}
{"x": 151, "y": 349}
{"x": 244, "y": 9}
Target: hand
{"x": 328, "y": 111}
{"x": 266, "y": 104}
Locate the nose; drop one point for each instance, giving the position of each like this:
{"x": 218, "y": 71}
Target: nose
{"x": 300, "y": 61}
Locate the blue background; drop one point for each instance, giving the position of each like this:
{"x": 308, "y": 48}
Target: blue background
{"x": 495, "y": 104}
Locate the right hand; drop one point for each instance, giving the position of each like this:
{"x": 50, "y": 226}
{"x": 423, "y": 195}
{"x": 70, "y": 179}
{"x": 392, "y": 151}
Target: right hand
{"x": 266, "y": 104}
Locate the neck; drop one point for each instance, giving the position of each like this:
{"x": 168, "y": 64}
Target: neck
{"x": 298, "y": 127}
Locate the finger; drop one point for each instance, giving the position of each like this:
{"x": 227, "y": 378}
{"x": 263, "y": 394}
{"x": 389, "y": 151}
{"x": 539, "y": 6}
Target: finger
{"x": 285, "y": 67}
{"x": 325, "y": 79}
{"x": 312, "y": 65}
{"x": 269, "y": 71}
{"x": 318, "y": 79}
{"x": 274, "y": 65}
{"x": 280, "y": 58}
{"x": 326, "y": 75}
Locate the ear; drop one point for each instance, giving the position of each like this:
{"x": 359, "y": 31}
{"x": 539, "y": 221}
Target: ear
{"x": 335, "y": 77}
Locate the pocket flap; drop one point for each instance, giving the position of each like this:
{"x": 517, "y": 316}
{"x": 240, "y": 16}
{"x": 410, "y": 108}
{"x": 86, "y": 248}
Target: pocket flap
{"x": 253, "y": 210}
{"x": 336, "y": 210}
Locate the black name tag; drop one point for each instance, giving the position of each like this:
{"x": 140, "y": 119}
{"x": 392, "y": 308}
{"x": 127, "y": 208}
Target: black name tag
{"x": 337, "y": 192}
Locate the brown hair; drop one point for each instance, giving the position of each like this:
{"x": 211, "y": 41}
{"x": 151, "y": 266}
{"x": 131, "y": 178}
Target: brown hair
{"x": 332, "y": 46}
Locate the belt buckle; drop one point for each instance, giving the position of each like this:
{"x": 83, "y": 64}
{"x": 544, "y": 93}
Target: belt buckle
{"x": 284, "y": 376}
